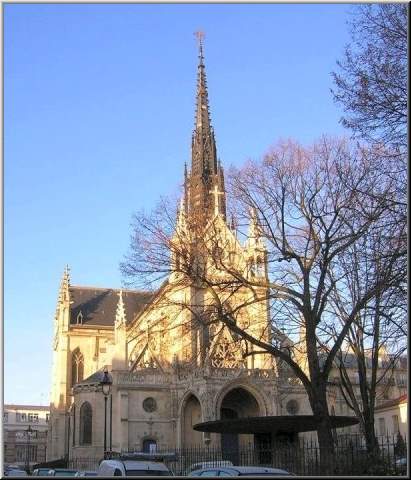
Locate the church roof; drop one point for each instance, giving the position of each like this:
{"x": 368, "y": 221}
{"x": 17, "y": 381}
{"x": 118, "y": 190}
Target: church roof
{"x": 97, "y": 306}
{"x": 95, "y": 377}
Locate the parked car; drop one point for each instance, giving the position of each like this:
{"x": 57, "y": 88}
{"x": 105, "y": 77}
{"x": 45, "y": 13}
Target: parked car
{"x": 87, "y": 473}
{"x": 212, "y": 463}
{"x": 15, "y": 472}
{"x": 235, "y": 471}
{"x": 401, "y": 464}
{"x": 41, "y": 472}
{"x": 62, "y": 472}
{"x": 132, "y": 468}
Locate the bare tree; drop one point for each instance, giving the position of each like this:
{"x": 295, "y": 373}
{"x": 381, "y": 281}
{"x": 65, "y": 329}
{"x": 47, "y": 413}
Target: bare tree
{"x": 371, "y": 83}
{"x": 307, "y": 209}
{"x": 377, "y": 337}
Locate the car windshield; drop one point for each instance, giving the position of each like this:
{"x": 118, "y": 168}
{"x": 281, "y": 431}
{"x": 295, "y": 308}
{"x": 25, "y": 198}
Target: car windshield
{"x": 147, "y": 473}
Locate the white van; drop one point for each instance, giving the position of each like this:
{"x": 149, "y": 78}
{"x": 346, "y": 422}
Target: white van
{"x": 132, "y": 468}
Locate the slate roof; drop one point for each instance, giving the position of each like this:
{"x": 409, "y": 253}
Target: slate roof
{"x": 95, "y": 377}
{"x": 98, "y": 305}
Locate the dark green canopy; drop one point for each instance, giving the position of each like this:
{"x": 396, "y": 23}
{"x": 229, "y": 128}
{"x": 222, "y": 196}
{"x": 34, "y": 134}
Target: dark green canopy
{"x": 272, "y": 424}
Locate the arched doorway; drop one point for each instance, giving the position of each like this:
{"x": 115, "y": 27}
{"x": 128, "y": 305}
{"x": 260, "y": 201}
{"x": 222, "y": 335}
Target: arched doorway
{"x": 237, "y": 403}
{"x": 191, "y": 414}
{"x": 149, "y": 445}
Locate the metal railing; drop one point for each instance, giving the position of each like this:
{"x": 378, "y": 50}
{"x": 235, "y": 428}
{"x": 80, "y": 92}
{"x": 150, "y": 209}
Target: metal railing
{"x": 301, "y": 458}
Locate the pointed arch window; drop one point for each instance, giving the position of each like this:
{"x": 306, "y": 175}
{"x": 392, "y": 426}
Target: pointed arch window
{"x": 86, "y": 424}
{"x": 77, "y": 367}
{"x": 80, "y": 318}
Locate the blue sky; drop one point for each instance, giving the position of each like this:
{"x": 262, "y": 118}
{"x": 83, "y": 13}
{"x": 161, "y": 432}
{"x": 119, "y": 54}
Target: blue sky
{"x": 98, "y": 116}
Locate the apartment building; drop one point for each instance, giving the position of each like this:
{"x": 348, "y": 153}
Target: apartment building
{"x": 25, "y": 434}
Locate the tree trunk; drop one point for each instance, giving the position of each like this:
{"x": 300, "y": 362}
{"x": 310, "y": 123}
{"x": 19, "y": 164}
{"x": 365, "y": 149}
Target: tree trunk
{"x": 318, "y": 398}
{"x": 324, "y": 430}
{"x": 326, "y": 444}
{"x": 371, "y": 441}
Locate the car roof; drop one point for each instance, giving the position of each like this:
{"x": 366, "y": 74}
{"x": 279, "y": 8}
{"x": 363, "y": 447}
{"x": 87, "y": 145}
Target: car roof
{"x": 244, "y": 470}
{"x": 63, "y": 469}
{"x": 138, "y": 465}
{"x": 258, "y": 469}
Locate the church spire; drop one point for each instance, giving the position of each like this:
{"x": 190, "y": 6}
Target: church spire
{"x": 203, "y": 122}
{"x": 206, "y": 174}
{"x": 204, "y": 158}
{"x": 120, "y": 311}
{"x": 64, "y": 292}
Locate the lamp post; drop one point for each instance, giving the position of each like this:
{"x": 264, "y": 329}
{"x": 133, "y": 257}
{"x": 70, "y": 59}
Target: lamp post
{"x": 29, "y": 432}
{"x": 105, "y": 388}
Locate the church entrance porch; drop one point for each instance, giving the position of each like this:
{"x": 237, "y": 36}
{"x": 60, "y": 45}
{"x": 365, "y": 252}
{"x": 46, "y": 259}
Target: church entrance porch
{"x": 237, "y": 403}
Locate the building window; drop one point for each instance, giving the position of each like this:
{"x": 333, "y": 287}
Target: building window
{"x": 21, "y": 453}
{"x": 47, "y": 417}
{"x": 21, "y": 417}
{"x": 381, "y": 426}
{"x": 33, "y": 417}
{"x": 86, "y": 421}
{"x": 5, "y": 417}
{"x": 396, "y": 424}
{"x": 77, "y": 367}
{"x": 401, "y": 382}
{"x": 24, "y": 434}
{"x": 80, "y": 318}
{"x": 26, "y": 452}
{"x": 149, "y": 404}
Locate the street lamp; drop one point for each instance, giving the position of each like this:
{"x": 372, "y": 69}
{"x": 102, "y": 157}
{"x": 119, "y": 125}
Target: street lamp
{"x": 105, "y": 388}
{"x": 29, "y": 432}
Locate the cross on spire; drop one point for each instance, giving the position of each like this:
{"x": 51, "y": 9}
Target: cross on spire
{"x": 216, "y": 193}
{"x": 200, "y": 36}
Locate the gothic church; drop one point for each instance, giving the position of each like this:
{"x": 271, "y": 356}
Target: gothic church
{"x": 164, "y": 378}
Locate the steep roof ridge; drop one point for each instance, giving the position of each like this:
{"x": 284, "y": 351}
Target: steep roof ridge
{"x": 125, "y": 290}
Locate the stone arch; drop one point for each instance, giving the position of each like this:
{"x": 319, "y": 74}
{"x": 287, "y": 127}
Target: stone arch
{"x": 238, "y": 400}
{"x": 149, "y": 443}
{"x": 258, "y": 396}
{"x": 190, "y": 414}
